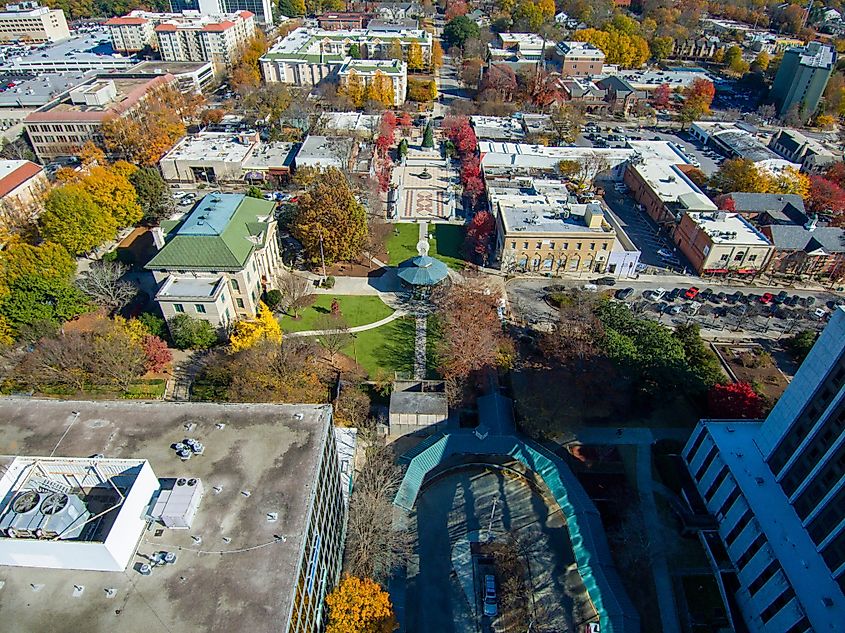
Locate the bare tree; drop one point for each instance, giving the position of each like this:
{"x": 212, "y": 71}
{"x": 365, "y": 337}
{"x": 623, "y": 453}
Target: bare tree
{"x": 117, "y": 359}
{"x": 377, "y": 234}
{"x": 65, "y": 361}
{"x": 104, "y": 283}
{"x": 336, "y": 334}
{"x": 296, "y": 292}
{"x": 373, "y": 547}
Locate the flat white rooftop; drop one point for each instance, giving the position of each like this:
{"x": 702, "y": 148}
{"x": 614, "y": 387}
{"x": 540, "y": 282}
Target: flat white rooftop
{"x": 212, "y": 147}
{"x": 728, "y": 228}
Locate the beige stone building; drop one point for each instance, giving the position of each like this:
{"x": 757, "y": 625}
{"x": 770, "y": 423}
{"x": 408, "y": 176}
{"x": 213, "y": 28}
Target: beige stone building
{"x": 579, "y": 59}
{"x": 30, "y": 22}
{"x": 215, "y": 263}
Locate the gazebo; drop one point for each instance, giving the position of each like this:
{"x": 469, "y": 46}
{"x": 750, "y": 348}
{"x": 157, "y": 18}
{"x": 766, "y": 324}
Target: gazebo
{"x": 422, "y": 272}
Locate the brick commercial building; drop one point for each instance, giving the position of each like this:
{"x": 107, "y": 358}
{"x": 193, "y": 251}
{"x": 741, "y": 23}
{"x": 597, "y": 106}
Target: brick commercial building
{"x": 579, "y": 59}
{"x": 719, "y": 242}
{"x": 808, "y": 251}
{"x": 336, "y": 21}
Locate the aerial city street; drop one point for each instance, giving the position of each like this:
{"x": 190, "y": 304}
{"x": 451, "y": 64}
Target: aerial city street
{"x": 453, "y": 316}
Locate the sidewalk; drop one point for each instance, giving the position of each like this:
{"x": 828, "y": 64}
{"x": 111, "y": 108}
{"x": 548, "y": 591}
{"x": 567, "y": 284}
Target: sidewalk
{"x": 358, "y": 328}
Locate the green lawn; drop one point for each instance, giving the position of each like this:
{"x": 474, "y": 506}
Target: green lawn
{"x": 356, "y": 310}
{"x": 389, "y": 348}
{"x": 402, "y": 244}
{"x": 446, "y": 243}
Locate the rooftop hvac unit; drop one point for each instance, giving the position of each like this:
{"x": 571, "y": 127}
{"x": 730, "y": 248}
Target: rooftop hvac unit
{"x": 44, "y": 515}
{"x": 177, "y": 502}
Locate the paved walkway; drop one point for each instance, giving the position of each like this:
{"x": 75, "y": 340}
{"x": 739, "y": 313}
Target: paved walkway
{"x": 358, "y": 328}
{"x": 419, "y": 347}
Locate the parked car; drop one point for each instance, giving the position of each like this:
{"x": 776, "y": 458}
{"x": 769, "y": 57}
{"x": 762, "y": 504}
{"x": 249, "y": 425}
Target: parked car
{"x": 810, "y": 302}
{"x": 665, "y": 253}
{"x": 782, "y": 296}
{"x": 624, "y": 293}
{"x": 738, "y": 297}
{"x": 793, "y": 301}
{"x": 766, "y": 298}
{"x": 490, "y": 606}
{"x": 691, "y": 293}
{"x": 820, "y": 313}
{"x": 676, "y": 292}
{"x": 590, "y": 287}
{"x": 676, "y": 309}
{"x": 655, "y": 295}
{"x": 605, "y": 281}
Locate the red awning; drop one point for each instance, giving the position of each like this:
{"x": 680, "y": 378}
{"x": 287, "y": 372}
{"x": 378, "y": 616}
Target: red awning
{"x": 716, "y": 271}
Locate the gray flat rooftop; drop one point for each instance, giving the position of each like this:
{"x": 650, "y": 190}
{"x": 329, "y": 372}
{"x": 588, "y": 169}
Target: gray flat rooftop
{"x": 160, "y": 67}
{"x": 88, "y": 47}
{"x": 189, "y": 287}
{"x": 243, "y": 585}
{"x": 33, "y": 91}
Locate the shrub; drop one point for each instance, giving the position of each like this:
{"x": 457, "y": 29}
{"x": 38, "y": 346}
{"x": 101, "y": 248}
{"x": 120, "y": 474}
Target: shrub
{"x": 273, "y": 299}
{"x": 187, "y": 332}
{"x": 328, "y": 282}
{"x": 154, "y": 324}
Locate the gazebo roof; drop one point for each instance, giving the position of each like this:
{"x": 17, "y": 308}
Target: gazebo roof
{"x": 422, "y": 270}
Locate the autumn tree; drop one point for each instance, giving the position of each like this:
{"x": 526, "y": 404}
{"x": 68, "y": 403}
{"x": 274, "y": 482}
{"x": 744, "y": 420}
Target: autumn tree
{"x": 697, "y": 100}
{"x": 352, "y": 87}
{"x": 791, "y": 181}
{"x": 297, "y": 292}
{"x": 110, "y": 189}
{"x": 292, "y": 8}
{"x": 566, "y": 121}
{"x": 153, "y": 128}
{"x": 826, "y": 195}
{"x": 359, "y": 605}
{"x": 472, "y": 338}
{"x": 103, "y": 282}
{"x": 499, "y": 80}
{"x": 71, "y": 218}
{"x": 736, "y": 400}
{"x": 380, "y": 90}
{"x": 620, "y": 44}
{"x": 374, "y": 549}
{"x": 415, "y": 57}
{"x": 247, "y": 333}
{"x": 330, "y": 222}
{"x": 456, "y": 8}
{"x": 246, "y": 73}
{"x": 740, "y": 174}
{"x": 157, "y": 356}
{"x": 661, "y": 96}
{"x": 479, "y": 235}
{"x": 436, "y": 55}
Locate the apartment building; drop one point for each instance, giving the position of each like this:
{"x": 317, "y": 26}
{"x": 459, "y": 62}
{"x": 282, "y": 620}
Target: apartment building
{"x": 184, "y": 37}
{"x": 801, "y": 79}
{"x": 215, "y": 263}
{"x": 719, "y": 242}
{"x": 366, "y": 70}
{"x": 309, "y": 55}
{"x": 63, "y": 125}
{"x": 517, "y": 48}
{"x": 777, "y": 491}
{"x": 579, "y": 59}
{"x": 30, "y": 22}
{"x": 336, "y": 21}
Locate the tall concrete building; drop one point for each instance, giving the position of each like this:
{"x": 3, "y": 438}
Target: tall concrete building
{"x": 261, "y": 8}
{"x": 802, "y": 77}
{"x": 777, "y": 490}
{"x": 30, "y": 22}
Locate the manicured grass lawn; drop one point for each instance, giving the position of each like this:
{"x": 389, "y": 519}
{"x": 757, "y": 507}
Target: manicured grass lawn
{"x": 402, "y": 244}
{"x": 356, "y": 310}
{"x": 446, "y": 243}
{"x": 389, "y": 348}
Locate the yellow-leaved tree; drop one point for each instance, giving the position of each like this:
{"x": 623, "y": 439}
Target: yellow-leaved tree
{"x": 359, "y": 605}
{"x": 415, "y": 56}
{"x": 790, "y": 180}
{"x": 248, "y": 333}
{"x": 353, "y": 88}
{"x": 110, "y": 189}
{"x": 380, "y": 89}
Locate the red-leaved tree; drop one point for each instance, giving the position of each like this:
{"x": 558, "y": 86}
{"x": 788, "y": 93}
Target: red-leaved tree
{"x": 661, "y": 96}
{"x": 736, "y": 400}
{"x": 826, "y": 195}
{"x": 727, "y": 204}
{"x": 156, "y": 354}
{"x": 456, "y": 8}
{"x": 479, "y": 233}
{"x": 836, "y": 173}
{"x": 405, "y": 120}
{"x": 387, "y": 132}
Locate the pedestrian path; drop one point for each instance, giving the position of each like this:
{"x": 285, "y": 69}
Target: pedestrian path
{"x": 419, "y": 347}
{"x": 358, "y": 328}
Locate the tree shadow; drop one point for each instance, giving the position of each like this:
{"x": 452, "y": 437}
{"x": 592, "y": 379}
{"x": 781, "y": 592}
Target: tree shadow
{"x": 397, "y": 352}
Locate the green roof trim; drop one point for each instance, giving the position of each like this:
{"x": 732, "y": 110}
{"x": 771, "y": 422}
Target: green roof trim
{"x": 216, "y": 235}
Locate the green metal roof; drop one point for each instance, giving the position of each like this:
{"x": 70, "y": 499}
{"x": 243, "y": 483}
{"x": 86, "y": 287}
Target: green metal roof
{"x": 217, "y": 235}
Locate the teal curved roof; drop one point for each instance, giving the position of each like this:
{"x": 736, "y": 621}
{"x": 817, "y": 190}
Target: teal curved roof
{"x": 586, "y": 531}
{"x": 423, "y": 270}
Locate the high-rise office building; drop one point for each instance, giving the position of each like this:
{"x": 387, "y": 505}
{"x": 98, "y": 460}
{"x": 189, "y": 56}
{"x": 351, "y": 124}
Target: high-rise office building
{"x": 802, "y": 77}
{"x": 777, "y": 490}
{"x": 261, "y": 8}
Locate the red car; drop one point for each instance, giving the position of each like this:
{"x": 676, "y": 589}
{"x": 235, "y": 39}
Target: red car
{"x": 766, "y": 298}
{"x": 691, "y": 293}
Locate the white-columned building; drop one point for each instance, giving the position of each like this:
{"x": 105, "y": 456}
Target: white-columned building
{"x": 777, "y": 490}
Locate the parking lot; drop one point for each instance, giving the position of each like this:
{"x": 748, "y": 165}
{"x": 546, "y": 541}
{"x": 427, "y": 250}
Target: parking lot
{"x": 658, "y": 250}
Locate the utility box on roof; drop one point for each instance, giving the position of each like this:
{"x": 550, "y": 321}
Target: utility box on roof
{"x": 178, "y": 502}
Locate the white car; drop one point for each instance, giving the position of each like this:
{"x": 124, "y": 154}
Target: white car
{"x": 490, "y": 607}
{"x": 665, "y": 253}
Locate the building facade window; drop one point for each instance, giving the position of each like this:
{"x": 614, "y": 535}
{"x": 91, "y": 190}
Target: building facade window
{"x": 178, "y": 307}
{"x": 200, "y": 308}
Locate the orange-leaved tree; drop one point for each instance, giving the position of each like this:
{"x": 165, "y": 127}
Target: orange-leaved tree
{"x": 359, "y": 605}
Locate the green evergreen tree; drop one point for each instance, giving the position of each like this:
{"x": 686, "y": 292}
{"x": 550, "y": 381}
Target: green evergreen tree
{"x": 428, "y": 136}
